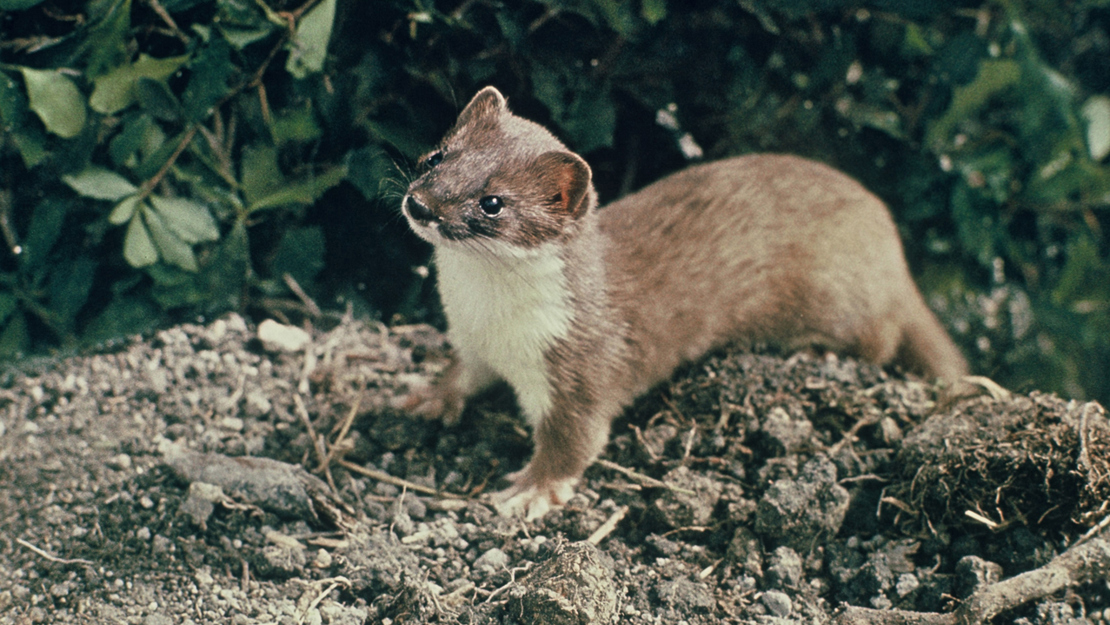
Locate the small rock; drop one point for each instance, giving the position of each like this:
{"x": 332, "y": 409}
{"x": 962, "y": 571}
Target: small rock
{"x": 277, "y": 337}
{"x": 973, "y": 572}
{"x": 283, "y": 560}
{"x": 323, "y": 559}
{"x": 200, "y": 502}
{"x": 746, "y": 551}
{"x": 256, "y": 404}
{"x": 784, "y": 568}
{"x": 788, "y": 434}
{"x": 906, "y": 584}
{"x": 491, "y": 562}
{"x": 777, "y": 603}
{"x": 679, "y": 509}
{"x": 686, "y": 596}
{"x": 232, "y": 424}
{"x": 120, "y": 462}
{"x": 553, "y": 593}
{"x": 798, "y": 511}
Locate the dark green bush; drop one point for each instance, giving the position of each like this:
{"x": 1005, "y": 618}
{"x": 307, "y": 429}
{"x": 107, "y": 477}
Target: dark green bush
{"x": 162, "y": 159}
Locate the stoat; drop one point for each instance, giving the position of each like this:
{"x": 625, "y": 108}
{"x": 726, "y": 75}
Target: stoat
{"x": 582, "y": 309}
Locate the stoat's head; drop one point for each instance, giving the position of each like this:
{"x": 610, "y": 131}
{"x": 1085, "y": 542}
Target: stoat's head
{"x": 498, "y": 182}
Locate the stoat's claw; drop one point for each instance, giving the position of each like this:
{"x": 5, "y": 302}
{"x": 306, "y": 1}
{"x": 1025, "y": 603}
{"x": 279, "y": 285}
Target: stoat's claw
{"x": 431, "y": 402}
{"x": 530, "y": 499}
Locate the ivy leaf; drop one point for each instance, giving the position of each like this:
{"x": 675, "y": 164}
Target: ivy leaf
{"x": 310, "y": 43}
{"x": 56, "y": 100}
{"x": 189, "y": 220}
{"x": 171, "y": 247}
{"x": 138, "y": 249}
{"x": 118, "y": 89}
{"x": 101, "y": 184}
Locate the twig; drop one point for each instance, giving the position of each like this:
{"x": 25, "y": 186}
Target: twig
{"x": 50, "y": 557}
{"x": 343, "y": 429}
{"x": 335, "y": 582}
{"x": 607, "y": 527}
{"x": 309, "y": 303}
{"x": 650, "y": 482}
{"x": 168, "y": 19}
{"x": 148, "y": 187}
{"x": 302, "y": 412}
{"x": 381, "y": 476}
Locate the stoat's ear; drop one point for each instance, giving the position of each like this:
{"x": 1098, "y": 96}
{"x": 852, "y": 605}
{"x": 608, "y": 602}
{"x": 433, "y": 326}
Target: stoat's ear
{"x": 564, "y": 179}
{"x": 486, "y": 102}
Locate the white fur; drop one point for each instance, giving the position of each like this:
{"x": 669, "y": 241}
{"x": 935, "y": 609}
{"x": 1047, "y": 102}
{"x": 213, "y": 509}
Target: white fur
{"x": 505, "y": 306}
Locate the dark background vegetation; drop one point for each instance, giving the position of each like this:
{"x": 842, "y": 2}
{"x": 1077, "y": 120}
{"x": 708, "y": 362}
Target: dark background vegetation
{"x": 172, "y": 159}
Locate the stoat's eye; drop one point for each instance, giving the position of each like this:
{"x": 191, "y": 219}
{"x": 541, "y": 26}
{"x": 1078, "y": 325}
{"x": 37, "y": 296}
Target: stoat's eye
{"x": 434, "y": 159}
{"x": 491, "y": 205}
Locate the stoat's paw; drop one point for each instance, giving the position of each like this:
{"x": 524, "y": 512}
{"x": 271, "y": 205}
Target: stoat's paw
{"x": 432, "y": 402}
{"x": 532, "y": 498}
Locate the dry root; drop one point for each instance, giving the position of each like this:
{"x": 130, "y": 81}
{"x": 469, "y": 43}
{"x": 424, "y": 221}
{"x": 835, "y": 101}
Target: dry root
{"x": 1084, "y": 562}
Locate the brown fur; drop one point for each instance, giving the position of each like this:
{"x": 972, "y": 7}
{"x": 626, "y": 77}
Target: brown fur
{"x": 763, "y": 248}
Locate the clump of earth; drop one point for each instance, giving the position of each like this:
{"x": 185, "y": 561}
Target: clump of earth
{"x": 225, "y": 473}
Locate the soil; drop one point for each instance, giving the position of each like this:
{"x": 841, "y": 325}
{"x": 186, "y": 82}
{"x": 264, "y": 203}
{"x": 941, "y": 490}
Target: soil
{"x": 202, "y": 475}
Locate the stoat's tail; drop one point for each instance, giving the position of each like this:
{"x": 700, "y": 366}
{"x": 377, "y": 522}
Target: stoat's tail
{"x": 927, "y": 349}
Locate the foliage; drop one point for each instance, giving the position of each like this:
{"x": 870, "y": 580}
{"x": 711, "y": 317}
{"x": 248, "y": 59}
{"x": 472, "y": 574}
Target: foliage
{"x": 159, "y": 157}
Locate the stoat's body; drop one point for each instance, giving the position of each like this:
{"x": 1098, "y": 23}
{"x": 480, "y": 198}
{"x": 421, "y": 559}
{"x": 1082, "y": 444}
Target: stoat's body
{"x": 581, "y": 310}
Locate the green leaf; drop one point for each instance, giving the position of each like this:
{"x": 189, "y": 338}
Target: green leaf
{"x": 368, "y": 168}
{"x": 43, "y": 233}
{"x": 653, "y": 11}
{"x": 299, "y": 254}
{"x": 212, "y": 73}
{"x": 100, "y": 184}
{"x": 14, "y": 339}
{"x": 303, "y": 192}
{"x": 156, "y": 98}
{"x": 994, "y": 76}
{"x": 56, "y": 100}
{"x": 259, "y": 172}
{"x": 125, "y": 146}
{"x": 189, "y": 220}
{"x": 69, "y": 288}
{"x": 125, "y": 314}
{"x": 297, "y": 124}
{"x": 171, "y": 247}
{"x": 240, "y": 38}
{"x": 138, "y": 249}
{"x": 29, "y": 139}
{"x": 118, "y": 89}
{"x": 310, "y": 43}
{"x": 8, "y": 304}
{"x": 124, "y": 211}
{"x": 106, "y": 44}
{"x": 18, "y": 5}
{"x": 1096, "y": 112}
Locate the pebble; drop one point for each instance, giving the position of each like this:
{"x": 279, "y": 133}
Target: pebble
{"x": 777, "y": 603}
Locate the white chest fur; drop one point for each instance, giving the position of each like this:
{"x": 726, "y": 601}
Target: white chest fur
{"x": 505, "y": 308}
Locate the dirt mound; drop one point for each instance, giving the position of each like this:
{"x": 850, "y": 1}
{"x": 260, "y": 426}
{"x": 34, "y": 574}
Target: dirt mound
{"x": 201, "y": 475}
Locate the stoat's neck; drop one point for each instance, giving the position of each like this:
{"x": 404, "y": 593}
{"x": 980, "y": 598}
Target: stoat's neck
{"x": 505, "y": 309}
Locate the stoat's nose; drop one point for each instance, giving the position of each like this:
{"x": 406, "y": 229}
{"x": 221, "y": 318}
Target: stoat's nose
{"x": 418, "y": 211}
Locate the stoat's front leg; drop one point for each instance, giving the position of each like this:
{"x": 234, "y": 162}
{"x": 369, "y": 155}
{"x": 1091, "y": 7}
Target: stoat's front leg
{"x": 567, "y": 439}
